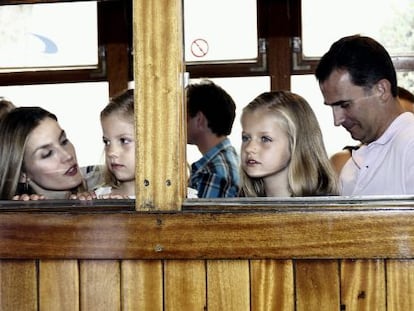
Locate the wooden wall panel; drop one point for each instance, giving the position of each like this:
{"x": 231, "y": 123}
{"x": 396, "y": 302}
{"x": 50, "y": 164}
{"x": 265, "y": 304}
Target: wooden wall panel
{"x": 317, "y": 285}
{"x": 400, "y": 285}
{"x": 185, "y": 285}
{"x": 58, "y": 285}
{"x": 272, "y": 287}
{"x": 228, "y": 285}
{"x": 142, "y": 285}
{"x": 100, "y": 286}
{"x": 363, "y": 285}
{"x": 18, "y": 282}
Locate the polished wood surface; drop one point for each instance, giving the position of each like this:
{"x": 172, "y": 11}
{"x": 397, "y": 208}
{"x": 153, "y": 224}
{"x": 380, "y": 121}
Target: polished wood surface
{"x": 159, "y": 104}
{"x": 268, "y": 232}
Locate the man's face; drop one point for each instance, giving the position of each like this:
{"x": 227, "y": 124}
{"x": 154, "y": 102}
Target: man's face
{"x": 353, "y": 107}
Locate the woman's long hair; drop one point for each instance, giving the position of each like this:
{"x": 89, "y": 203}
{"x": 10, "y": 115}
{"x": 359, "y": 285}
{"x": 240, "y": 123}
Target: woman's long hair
{"x": 15, "y": 128}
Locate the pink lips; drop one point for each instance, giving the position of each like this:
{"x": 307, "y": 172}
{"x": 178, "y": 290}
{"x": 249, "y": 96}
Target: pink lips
{"x": 251, "y": 162}
{"x": 72, "y": 171}
{"x": 116, "y": 166}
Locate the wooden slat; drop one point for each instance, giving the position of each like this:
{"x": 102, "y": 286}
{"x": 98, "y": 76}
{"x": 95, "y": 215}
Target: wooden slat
{"x": 363, "y": 285}
{"x": 228, "y": 285}
{"x": 100, "y": 286}
{"x": 272, "y": 287}
{"x": 58, "y": 285}
{"x": 159, "y": 106}
{"x": 185, "y": 285}
{"x": 317, "y": 285}
{"x": 142, "y": 285}
{"x": 305, "y": 233}
{"x": 18, "y": 285}
{"x": 400, "y": 285}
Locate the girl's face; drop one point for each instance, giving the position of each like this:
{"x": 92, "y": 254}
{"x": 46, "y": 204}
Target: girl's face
{"x": 265, "y": 150}
{"x": 50, "y": 158}
{"x": 119, "y": 140}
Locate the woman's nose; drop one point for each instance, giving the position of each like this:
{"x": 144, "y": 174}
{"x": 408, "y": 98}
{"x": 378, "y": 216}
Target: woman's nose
{"x": 67, "y": 155}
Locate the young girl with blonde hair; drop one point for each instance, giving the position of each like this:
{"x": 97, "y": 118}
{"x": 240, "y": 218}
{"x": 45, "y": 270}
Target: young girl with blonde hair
{"x": 118, "y": 135}
{"x": 282, "y": 151}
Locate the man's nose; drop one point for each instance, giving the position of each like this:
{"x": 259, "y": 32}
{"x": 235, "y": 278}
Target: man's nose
{"x": 338, "y": 115}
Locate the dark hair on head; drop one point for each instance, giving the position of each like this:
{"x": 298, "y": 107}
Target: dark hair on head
{"x": 366, "y": 60}
{"x": 15, "y": 128}
{"x": 215, "y": 103}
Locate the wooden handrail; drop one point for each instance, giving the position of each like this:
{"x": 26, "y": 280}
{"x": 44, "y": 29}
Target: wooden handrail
{"x": 278, "y": 230}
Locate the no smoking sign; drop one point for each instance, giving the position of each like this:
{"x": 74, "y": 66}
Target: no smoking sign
{"x": 199, "y": 48}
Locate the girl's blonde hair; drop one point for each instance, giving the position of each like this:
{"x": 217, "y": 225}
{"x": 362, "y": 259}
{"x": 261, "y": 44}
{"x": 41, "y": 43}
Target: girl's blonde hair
{"x": 310, "y": 172}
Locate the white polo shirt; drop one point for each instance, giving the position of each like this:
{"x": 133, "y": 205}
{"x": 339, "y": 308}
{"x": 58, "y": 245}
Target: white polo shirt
{"x": 385, "y": 166}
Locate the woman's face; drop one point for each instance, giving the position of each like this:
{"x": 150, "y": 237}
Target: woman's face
{"x": 50, "y": 158}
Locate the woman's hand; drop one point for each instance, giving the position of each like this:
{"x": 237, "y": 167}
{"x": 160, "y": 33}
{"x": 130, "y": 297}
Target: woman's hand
{"x": 28, "y": 197}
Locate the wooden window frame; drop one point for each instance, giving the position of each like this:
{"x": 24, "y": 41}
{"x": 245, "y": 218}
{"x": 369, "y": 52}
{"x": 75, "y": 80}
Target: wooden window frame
{"x": 306, "y": 65}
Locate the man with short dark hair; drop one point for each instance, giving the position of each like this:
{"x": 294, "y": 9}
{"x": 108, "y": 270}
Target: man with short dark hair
{"x": 210, "y": 115}
{"x": 358, "y": 81}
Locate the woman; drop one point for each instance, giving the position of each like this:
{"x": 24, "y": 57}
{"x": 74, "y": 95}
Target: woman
{"x": 37, "y": 161}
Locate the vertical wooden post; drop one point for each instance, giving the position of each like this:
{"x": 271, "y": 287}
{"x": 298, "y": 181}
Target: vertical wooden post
{"x": 159, "y": 109}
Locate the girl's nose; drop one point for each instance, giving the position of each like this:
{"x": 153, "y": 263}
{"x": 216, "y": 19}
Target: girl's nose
{"x": 250, "y": 147}
{"x": 112, "y": 151}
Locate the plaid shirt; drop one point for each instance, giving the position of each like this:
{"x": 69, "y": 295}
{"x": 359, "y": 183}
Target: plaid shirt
{"x": 216, "y": 174}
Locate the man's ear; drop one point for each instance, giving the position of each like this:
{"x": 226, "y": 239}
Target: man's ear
{"x": 383, "y": 87}
{"x": 201, "y": 120}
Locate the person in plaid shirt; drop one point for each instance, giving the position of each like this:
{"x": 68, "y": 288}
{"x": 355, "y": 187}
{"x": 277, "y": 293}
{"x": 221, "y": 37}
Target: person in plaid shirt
{"x": 210, "y": 115}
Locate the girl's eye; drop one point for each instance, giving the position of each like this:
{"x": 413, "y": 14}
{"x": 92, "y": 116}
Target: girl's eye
{"x": 266, "y": 139}
{"x": 244, "y": 138}
{"x": 125, "y": 140}
{"x": 106, "y": 141}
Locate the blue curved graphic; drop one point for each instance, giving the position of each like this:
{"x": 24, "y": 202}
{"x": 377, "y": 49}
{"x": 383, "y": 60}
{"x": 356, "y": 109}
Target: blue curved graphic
{"x": 50, "y": 46}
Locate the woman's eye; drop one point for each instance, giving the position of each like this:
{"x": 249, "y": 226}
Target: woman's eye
{"x": 105, "y": 142}
{"x": 64, "y": 141}
{"x": 46, "y": 155}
